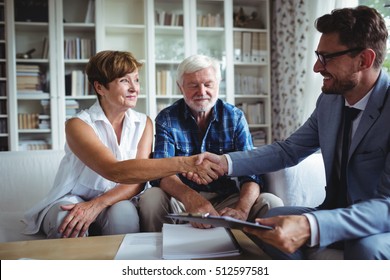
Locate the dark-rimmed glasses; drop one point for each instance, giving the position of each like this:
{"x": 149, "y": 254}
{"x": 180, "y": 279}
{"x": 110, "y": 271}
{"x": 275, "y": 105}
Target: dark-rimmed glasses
{"x": 323, "y": 57}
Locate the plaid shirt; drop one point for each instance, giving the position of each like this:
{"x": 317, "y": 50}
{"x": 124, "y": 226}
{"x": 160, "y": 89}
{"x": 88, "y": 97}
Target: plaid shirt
{"x": 177, "y": 134}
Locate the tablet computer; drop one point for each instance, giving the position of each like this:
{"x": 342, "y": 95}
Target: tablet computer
{"x": 217, "y": 221}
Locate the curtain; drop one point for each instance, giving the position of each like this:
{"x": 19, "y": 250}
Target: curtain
{"x": 295, "y": 87}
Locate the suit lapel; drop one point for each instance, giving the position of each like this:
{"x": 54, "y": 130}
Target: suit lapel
{"x": 329, "y": 130}
{"x": 371, "y": 112}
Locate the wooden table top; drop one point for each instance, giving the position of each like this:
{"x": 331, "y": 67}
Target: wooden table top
{"x": 96, "y": 248}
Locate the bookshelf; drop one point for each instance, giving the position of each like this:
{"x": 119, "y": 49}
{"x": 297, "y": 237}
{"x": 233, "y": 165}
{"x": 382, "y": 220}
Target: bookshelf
{"x": 122, "y": 26}
{"x": 160, "y": 33}
{"x": 252, "y": 74}
{"x": 76, "y": 42}
{"x": 4, "y": 135}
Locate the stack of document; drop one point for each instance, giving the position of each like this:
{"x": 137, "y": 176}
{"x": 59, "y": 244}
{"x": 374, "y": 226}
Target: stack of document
{"x": 186, "y": 242}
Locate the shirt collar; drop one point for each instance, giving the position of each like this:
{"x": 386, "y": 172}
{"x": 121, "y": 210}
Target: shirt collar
{"x": 97, "y": 114}
{"x": 362, "y": 103}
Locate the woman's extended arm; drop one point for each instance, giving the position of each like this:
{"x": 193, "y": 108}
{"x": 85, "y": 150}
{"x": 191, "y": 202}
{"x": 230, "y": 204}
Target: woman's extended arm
{"x": 83, "y": 141}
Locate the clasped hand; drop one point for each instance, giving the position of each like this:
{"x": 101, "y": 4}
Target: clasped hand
{"x": 207, "y": 168}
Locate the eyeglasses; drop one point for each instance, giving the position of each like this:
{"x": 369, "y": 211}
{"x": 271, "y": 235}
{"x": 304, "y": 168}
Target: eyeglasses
{"x": 324, "y": 57}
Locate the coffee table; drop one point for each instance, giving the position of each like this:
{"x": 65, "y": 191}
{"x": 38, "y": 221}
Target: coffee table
{"x": 97, "y": 248}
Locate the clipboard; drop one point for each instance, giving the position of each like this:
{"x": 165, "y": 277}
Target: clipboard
{"x": 217, "y": 221}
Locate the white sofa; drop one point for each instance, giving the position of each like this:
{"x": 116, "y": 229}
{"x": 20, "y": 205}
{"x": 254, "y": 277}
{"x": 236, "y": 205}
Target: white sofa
{"x": 26, "y": 177}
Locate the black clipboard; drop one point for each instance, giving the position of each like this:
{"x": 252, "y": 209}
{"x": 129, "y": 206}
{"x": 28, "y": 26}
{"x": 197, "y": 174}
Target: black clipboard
{"x": 217, "y": 221}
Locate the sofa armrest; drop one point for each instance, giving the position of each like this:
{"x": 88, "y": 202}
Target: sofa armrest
{"x": 300, "y": 185}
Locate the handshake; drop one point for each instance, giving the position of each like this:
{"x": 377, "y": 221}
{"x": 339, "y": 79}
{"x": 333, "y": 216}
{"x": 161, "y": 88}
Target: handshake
{"x": 205, "y": 168}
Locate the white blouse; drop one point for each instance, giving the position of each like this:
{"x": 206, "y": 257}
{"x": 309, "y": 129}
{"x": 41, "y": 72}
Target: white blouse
{"x": 75, "y": 180}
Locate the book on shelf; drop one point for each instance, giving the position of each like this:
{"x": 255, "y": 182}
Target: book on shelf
{"x": 76, "y": 83}
{"x": 31, "y": 93}
{"x": 254, "y": 112}
{"x": 90, "y": 14}
{"x": 165, "y": 82}
{"x": 255, "y": 48}
{"x": 237, "y": 38}
{"x": 246, "y": 46}
{"x": 71, "y": 107}
{"x": 3, "y": 87}
{"x": 45, "y": 48}
{"x": 163, "y": 18}
{"x": 33, "y": 121}
{"x": 3, "y": 126}
{"x": 78, "y": 48}
{"x": 28, "y": 77}
{"x": 250, "y": 47}
{"x": 210, "y": 20}
{"x": 28, "y": 121}
{"x": 259, "y": 137}
{"x": 28, "y": 145}
{"x": 248, "y": 85}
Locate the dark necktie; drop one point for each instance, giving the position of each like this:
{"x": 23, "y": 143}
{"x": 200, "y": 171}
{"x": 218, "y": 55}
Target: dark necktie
{"x": 349, "y": 115}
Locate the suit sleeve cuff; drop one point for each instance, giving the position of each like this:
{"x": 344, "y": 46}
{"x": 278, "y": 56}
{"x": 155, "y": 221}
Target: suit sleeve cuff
{"x": 230, "y": 164}
{"x": 314, "y": 230}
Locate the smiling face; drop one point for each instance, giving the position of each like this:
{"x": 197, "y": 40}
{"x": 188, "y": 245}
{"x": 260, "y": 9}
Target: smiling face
{"x": 122, "y": 93}
{"x": 200, "y": 90}
{"x": 341, "y": 73}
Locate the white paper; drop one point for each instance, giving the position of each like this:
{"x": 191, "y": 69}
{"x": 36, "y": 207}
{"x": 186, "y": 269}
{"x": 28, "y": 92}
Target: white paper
{"x": 183, "y": 241}
{"x": 140, "y": 246}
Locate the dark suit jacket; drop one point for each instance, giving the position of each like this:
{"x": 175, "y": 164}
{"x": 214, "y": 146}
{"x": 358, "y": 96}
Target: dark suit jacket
{"x": 368, "y": 169}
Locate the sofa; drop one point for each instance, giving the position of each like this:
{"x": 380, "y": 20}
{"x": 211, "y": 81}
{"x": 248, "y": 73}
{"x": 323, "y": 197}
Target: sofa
{"x": 27, "y": 176}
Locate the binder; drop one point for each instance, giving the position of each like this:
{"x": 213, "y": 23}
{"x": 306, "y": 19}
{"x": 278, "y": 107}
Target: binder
{"x": 237, "y": 46}
{"x": 246, "y": 46}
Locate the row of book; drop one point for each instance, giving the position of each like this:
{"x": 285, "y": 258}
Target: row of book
{"x": 259, "y": 137}
{"x": 248, "y": 85}
{"x": 210, "y": 20}
{"x": 254, "y": 112}
{"x": 72, "y": 107}
{"x": 79, "y": 48}
{"x": 166, "y": 83}
{"x": 164, "y": 18}
{"x": 3, "y": 126}
{"x": 28, "y": 77}
{"x": 3, "y": 107}
{"x": 3, "y": 89}
{"x": 28, "y": 145}
{"x": 2, "y": 49}
{"x": 250, "y": 47}
{"x": 76, "y": 84}
{"x": 33, "y": 121}
{"x": 168, "y": 18}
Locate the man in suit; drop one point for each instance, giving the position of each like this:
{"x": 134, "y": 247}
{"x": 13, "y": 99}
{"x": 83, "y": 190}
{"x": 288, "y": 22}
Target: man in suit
{"x": 355, "y": 214}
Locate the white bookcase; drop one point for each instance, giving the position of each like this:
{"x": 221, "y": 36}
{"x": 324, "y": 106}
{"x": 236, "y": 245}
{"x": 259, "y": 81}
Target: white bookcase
{"x": 160, "y": 33}
{"x": 4, "y": 116}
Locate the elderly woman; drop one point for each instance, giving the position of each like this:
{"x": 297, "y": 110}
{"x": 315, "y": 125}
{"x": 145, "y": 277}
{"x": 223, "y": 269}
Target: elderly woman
{"x": 106, "y": 161}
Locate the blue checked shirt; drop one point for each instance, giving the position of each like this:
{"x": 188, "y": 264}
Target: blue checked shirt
{"x": 177, "y": 134}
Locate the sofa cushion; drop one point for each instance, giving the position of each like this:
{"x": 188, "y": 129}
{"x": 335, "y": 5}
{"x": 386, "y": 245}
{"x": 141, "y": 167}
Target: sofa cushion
{"x": 26, "y": 177}
{"x": 300, "y": 185}
{"x": 11, "y": 228}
